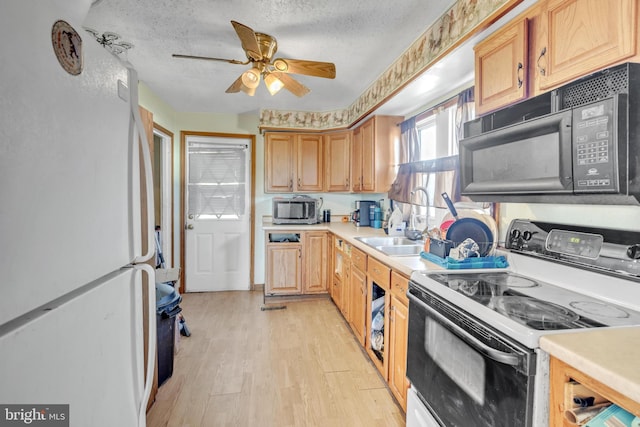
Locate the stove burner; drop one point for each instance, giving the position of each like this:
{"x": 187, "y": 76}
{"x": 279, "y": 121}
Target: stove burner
{"x": 510, "y": 280}
{"x": 599, "y": 309}
{"x": 535, "y": 313}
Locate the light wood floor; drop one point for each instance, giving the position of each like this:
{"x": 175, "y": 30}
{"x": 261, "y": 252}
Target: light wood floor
{"x": 300, "y": 366}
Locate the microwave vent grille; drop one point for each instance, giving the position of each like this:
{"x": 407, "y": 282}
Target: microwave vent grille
{"x": 599, "y": 87}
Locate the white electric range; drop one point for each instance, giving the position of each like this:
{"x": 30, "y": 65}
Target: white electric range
{"x": 473, "y": 353}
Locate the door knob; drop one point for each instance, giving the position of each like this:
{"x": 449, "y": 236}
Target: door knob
{"x": 189, "y": 226}
{"x": 190, "y": 216}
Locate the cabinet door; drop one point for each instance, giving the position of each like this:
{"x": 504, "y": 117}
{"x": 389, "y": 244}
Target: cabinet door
{"x": 309, "y": 162}
{"x": 338, "y": 161}
{"x": 357, "y": 303}
{"x": 399, "y": 329}
{"x": 356, "y": 161}
{"x": 315, "y": 261}
{"x": 279, "y": 157}
{"x": 368, "y": 179}
{"x": 346, "y": 289}
{"x": 284, "y": 269}
{"x": 580, "y": 36}
{"x": 501, "y": 67}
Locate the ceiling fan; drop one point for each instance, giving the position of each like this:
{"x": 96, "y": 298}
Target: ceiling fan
{"x": 260, "y": 48}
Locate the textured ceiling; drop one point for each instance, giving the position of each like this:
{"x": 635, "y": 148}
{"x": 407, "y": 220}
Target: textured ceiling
{"x": 362, "y": 38}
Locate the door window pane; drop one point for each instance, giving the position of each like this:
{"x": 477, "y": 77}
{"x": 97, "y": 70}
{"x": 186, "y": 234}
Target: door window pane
{"x": 216, "y": 180}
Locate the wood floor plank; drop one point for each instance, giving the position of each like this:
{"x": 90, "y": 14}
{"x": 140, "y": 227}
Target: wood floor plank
{"x": 300, "y": 366}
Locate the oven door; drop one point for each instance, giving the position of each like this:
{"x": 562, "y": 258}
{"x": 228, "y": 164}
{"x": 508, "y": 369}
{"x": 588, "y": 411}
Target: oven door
{"x": 464, "y": 378}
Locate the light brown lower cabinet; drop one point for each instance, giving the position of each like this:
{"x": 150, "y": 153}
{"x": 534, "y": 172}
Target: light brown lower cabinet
{"x": 296, "y": 268}
{"x": 398, "y": 333}
{"x": 561, "y": 375}
{"x": 315, "y": 247}
{"x": 284, "y": 269}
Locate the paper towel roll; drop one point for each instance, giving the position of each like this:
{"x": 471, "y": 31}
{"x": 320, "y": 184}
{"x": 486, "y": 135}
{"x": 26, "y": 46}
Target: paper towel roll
{"x": 579, "y": 416}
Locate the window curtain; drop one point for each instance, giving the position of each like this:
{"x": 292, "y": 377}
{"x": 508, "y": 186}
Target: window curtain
{"x": 409, "y": 141}
{"x": 465, "y": 111}
{"x": 408, "y": 153}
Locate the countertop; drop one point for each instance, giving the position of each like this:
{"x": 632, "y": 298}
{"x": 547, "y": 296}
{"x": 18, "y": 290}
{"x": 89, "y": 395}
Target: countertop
{"x": 611, "y": 356}
{"x": 348, "y": 232}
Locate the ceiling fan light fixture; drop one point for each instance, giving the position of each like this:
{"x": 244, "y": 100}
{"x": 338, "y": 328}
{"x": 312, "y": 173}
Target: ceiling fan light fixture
{"x": 273, "y": 84}
{"x": 251, "y": 78}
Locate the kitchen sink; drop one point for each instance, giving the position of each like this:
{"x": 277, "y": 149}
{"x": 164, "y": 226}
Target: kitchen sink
{"x": 388, "y": 241}
{"x": 394, "y": 246}
{"x": 401, "y": 250}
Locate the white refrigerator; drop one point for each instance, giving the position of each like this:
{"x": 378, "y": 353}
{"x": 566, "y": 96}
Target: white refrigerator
{"x": 71, "y": 305}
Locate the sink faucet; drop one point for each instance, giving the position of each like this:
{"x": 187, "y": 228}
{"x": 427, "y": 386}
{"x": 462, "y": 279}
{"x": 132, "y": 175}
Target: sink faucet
{"x": 412, "y": 219}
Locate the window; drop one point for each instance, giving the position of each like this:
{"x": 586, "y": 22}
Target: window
{"x": 216, "y": 180}
{"x": 437, "y": 133}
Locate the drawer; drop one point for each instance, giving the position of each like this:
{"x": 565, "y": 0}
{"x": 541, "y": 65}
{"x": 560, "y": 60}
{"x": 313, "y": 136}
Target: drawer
{"x": 379, "y": 273}
{"x": 359, "y": 259}
{"x": 399, "y": 286}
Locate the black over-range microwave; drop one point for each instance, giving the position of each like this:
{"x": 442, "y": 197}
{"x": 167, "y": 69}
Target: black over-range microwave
{"x": 579, "y": 143}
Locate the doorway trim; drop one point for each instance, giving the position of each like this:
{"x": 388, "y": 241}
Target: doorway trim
{"x": 167, "y": 180}
{"x": 183, "y": 183}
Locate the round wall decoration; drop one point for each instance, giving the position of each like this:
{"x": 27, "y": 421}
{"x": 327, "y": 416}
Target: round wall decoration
{"x": 67, "y": 46}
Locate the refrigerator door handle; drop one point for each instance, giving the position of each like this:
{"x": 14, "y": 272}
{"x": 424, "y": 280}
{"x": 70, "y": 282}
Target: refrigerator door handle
{"x": 146, "y": 160}
{"x": 151, "y": 342}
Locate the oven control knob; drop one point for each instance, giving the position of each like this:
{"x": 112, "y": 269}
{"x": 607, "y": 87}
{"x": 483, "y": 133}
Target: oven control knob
{"x": 527, "y": 235}
{"x": 633, "y": 251}
{"x": 515, "y": 234}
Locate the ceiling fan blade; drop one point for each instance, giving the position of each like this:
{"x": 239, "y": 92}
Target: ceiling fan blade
{"x": 291, "y": 84}
{"x": 308, "y": 68}
{"x": 249, "y": 40}
{"x": 238, "y": 86}
{"x": 209, "y": 58}
{"x": 235, "y": 86}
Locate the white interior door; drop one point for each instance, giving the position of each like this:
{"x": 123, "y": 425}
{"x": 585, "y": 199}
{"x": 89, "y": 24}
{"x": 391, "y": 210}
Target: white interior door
{"x": 217, "y": 195}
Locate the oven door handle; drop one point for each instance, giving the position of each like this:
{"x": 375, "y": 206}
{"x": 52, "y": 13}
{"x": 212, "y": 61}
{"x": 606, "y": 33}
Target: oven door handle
{"x": 497, "y": 355}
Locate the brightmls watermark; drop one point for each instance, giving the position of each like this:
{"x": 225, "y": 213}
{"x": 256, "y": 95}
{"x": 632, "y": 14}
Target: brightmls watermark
{"x": 34, "y": 415}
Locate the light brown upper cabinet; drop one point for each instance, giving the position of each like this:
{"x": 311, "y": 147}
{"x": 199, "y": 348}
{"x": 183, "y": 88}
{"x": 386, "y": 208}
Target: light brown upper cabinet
{"x": 501, "y": 66}
{"x": 579, "y": 36}
{"x": 338, "y": 161}
{"x": 556, "y": 41}
{"x": 293, "y": 162}
{"x": 372, "y": 154}
{"x": 309, "y": 163}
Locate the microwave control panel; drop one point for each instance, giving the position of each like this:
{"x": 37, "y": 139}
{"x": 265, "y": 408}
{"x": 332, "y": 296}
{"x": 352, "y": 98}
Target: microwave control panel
{"x": 594, "y": 149}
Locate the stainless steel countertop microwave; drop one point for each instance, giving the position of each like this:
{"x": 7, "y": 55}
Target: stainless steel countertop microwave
{"x": 576, "y": 144}
{"x": 295, "y": 210}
